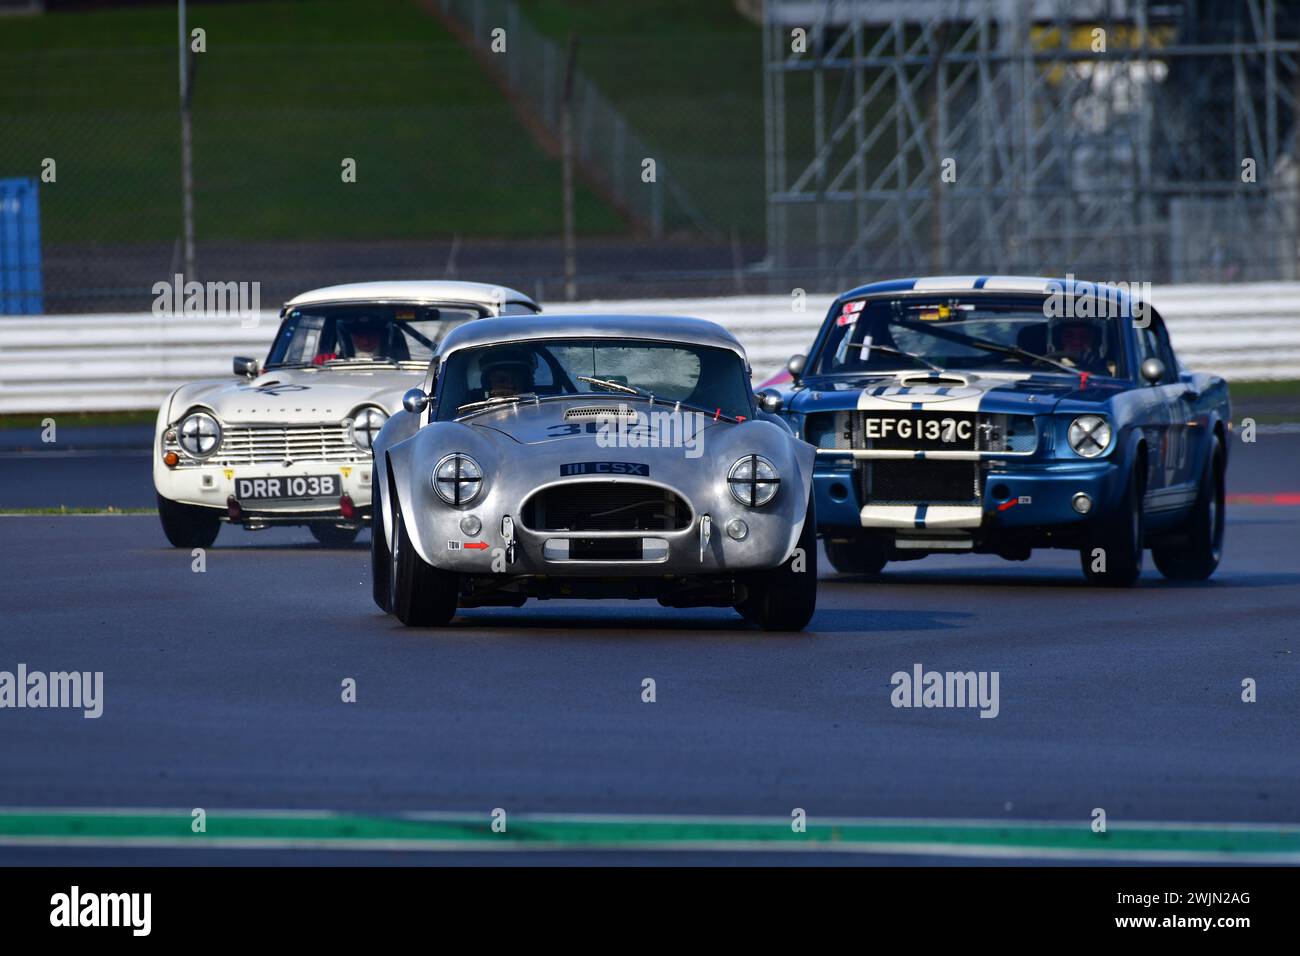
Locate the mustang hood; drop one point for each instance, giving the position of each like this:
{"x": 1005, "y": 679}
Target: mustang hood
{"x": 1006, "y": 393}
{"x": 296, "y": 395}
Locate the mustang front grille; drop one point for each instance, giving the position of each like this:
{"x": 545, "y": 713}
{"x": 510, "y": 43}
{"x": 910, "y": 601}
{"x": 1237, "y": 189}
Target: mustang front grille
{"x": 605, "y": 506}
{"x": 272, "y": 444}
{"x": 916, "y": 481}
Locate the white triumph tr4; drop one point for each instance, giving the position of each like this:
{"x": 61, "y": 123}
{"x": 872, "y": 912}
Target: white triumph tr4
{"x": 288, "y": 441}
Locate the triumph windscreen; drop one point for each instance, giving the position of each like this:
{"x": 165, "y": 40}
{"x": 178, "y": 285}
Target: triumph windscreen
{"x": 330, "y": 335}
{"x": 701, "y": 377}
{"x": 1014, "y": 334}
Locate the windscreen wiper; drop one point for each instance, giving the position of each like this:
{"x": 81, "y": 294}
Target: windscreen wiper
{"x": 868, "y": 346}
{"x": 498, "y": 400}
{"x": 616, "y": 386}
{"x": 651, "y": 397}
{"x": 990, "y": 346}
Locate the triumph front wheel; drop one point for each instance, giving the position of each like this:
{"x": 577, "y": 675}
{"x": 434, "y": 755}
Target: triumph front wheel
{"x": 422, "y": 595}
{"x": 332, "y": 537}
{"x": 1194, "y": 555}
{"x": 188, "y": 526}
{"x": 785, "y": 598}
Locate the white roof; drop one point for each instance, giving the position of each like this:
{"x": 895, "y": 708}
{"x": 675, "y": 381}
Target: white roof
{"x": 414, "y": 290}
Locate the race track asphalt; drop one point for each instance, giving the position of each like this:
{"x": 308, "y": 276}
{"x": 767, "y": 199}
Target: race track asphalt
{"x": 222, "y": 690}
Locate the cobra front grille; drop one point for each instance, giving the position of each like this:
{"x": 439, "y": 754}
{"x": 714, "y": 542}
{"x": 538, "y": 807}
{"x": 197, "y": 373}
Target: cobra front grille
{"x": 268, "y": 444}
{"x": 605, "y": 506}
{"x": 913, "y": 481}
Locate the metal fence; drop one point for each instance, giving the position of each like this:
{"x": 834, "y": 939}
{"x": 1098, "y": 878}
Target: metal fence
{"x": 1124, "y": 167}
{"x": 1126, "y": 140}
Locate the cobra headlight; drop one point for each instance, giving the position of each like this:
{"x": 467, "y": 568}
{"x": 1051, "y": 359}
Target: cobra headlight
{"x": 365, "y": 427}
{"x": 199, "y": 435}
{"x": 1089, "y": 435}
{"x": 457, "y": 479}
{"x": 753, "y": 481}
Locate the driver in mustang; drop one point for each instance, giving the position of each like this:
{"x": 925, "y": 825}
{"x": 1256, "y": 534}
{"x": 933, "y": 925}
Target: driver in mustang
{"x": 1078, "y": 342}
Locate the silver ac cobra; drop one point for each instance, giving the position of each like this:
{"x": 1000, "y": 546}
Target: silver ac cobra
{"x": 592, "y": 457}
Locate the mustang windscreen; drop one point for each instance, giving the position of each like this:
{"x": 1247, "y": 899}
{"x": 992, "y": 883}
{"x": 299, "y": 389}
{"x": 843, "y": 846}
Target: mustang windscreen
{"x": 371, "y": 333}
{"x": 705, "y": 377}
{"x": 1001, "y": 334}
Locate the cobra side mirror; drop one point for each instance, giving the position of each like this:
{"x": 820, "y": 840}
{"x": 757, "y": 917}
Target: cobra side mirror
{"x": 247, "y": 367}
{"x": 1153, "y": 371}
{"x": 770, "y": 401}
{"x": 795, "y": 366}
{"x": 415, "y": 401}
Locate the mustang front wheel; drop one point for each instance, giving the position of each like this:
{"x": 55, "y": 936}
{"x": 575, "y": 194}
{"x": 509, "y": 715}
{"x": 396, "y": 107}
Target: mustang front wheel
{"x": 188, "y": 526}
{"x": 860, "y": 554}
{"x": 1112, "y": 553}
{"x": 1194, "y": 555}
{"x": 785, "y": 598}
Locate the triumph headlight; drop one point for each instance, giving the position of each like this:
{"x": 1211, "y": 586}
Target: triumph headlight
{"x": 366, "y": 424}
{"x": 199, "y": 435}
{"x": 753, "y": 481}
{"x": 457, "y": 479}
{"x": 1089, "y": 435}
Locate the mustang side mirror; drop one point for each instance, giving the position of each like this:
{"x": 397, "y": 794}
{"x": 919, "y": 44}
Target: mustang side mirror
{"x": 1153, "y": 371}
{"x": 795, "y": 365}
{"x": 248, "y": 367}
{"x": 415, "y": 401}
{"x": 770, "y": 401}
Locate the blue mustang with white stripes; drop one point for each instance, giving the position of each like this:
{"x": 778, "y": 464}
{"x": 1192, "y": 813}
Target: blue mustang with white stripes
{"x": 1006, "y": 413}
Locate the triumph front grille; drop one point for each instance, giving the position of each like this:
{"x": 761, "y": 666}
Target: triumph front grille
{"x": 606, "y": 506}
{"x": 271, "y": 444}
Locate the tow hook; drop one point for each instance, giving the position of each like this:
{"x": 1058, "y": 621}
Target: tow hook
{"x": 706, "y": 530}
{"x": 508, "y": 535}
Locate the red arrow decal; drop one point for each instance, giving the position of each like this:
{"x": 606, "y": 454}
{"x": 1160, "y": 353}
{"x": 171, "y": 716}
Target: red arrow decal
{"x": 476, "y": 545}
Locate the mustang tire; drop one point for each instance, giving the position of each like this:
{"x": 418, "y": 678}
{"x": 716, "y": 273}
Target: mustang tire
{"x": 188, "y": 526}
{"x": 332, "y": 537}
{"x": 1120, "y": 537}
{"x": 1194, "y": 554}
{"x": 422, "y": 595}
{"x": 784, "y": 599}
{"x": 859, "y": 554}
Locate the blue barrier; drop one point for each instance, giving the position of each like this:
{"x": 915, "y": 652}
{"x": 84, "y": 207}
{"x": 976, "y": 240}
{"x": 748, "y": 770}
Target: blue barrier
{"x": 20, "y": 248}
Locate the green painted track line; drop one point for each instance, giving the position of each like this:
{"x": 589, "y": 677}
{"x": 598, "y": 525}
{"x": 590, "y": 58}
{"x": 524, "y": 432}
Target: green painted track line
{"x": 1155, "y": 842}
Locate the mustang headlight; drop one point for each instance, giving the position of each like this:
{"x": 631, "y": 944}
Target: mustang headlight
{"x": 457, "y": 479}
{"x": 753, "y": 481}
{"x": 1089, "y": 435}
{"x": 366, "y": 424}
{"x": 199, "y": 435}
